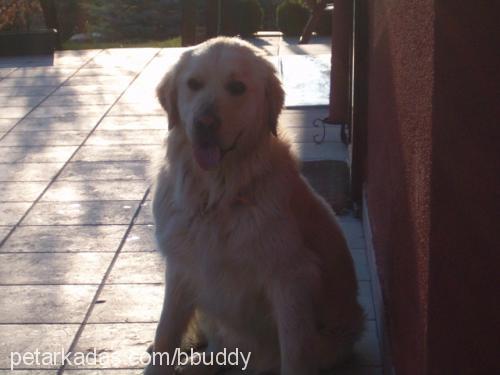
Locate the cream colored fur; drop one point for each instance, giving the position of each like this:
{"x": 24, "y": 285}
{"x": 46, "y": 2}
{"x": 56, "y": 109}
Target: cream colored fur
{"x": 249, "y": 245}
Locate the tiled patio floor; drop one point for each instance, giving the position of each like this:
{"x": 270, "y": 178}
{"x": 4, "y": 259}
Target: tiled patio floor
{"x": 78, "y": 266}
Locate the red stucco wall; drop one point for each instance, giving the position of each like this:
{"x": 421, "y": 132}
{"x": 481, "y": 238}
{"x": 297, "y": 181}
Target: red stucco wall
{"x": 398, "y": 165}
{"x": 464, "y": 269}
{"x": 431, "y": 186}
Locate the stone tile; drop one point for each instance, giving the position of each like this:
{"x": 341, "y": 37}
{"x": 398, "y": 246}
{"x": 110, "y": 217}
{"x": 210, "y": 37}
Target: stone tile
{"x": 317, "y": 46}
{"x": 126, "y": 137}
{"x": 133, "y": 60}
{"x": 68, "y": 111}
{"x": 144, "y": 107}
{"x": 171, "y": 53}
{"x": 140, "y": 238}
{"x": 4, "y": 72}
{"x": 66, "y": 238}
{"x": 128, "y": 303}
{"x": 4, "y": 231}
{"x": 26, "y": 61}
{"x": 28, "y": 171}
{"x": 99, "y": 80}
{"x": 145, "y": 214}
{"x": 31, "y": 304}
{"x": 24, "y": 338}
{"x": 270, "y": 45}
{"x": 306, "y": 80}
{"x": 65, "y": 191}
{"x": 124, "y": 62}
{"x": 13, "y": 112}
{"x": 29, "y": 372}
{"x": 367, "y": 348}
{"x": 103, "y": 71}
{"x": 310, "y": 134}
{"x": 21, "y": 101}
{"x": 80, "y": 100}
{"x": 7, "y": 123}
{"x": 26, "y": 91}
{"x": 126, "y": 343}
{"x": 274, "y": 60}
{"x": 118, "y": 371}
{"x": 130, "y": 53}
{"x": 133, "y": 123}
{"x": 140, "y": 92}
{"x": 11, "y": 212}
{"x": 365, "y": 299}
{"x": 81, "y": 213}
{"x": 125, "y": 170}
{"x": 49, "y": 154}
{"x": 303, "y": 117}
{"x": 360, "y": 256}
{"x": 324, "y": 151}
{"x": 53, "y": 268}
{"x": 151, "y": 75}
{"x": 20, "y": 191}
{"x": 360, "y": 265}
{"x": 138, "y": 267}
{"x": 117, "y": 153}
{"x": 42, "y": 72}
{"x": 353, "y": 231}
{"x": 44, "y": 138}
{"x": 81, "y": 123}
{"x": 31, "y": 81}
{"x": 90, "y": 89}
{"x": 73, "y": 58}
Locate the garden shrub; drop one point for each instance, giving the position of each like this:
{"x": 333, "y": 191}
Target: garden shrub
{"x": 291, "y": 17}
{"x": 20, "y": 15}
{"x": 324, "y": 26}
{"x": 243, "y": 17}
{"x": 72, "y": 17}
{"x": 120, "y": 20}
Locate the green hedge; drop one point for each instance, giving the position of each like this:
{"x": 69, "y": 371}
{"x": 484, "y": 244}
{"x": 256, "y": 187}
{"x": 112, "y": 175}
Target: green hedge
{"x": 291, "y": 17}
{"x": 132, "y": 19}
{"x": 242, "y": 17}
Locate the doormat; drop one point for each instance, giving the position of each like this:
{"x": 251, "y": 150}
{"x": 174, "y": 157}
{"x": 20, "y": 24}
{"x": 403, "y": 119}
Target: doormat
{"x": 330, "y": 179}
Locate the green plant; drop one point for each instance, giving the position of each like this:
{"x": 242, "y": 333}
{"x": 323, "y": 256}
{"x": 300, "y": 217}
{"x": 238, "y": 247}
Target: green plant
{"x": 133, "y": 19}
{"x": 291, "y": 17}
{"x": 20, "y": 15}
{"x": 324, "y": 26}
{"x": 250, "y": 15}
{"x": 243, "y": 17}
{"x": 72, "y": 17}
{"x": 168, "y": 43}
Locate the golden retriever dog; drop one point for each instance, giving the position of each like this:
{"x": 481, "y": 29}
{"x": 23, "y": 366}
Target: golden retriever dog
{"x": 252, "y": 251}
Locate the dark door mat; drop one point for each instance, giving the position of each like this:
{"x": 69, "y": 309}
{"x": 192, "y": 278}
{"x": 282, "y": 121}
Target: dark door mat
{"x": 330, "y": 179}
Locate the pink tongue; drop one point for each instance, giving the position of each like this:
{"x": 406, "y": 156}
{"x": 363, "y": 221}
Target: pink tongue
{"x": 207, "y": 157}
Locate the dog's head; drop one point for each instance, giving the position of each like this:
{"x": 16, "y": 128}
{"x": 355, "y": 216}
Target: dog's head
{"x": 225, "y": 96}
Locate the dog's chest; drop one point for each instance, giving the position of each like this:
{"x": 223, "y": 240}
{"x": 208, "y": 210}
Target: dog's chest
{"x": 220, "y": 253}
{"x": 214, "y": 241}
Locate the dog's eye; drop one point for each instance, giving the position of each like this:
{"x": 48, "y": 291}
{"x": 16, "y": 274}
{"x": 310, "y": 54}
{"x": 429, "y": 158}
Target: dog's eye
{"x": 194, "y": 84}
{"x": 236, "y": 87}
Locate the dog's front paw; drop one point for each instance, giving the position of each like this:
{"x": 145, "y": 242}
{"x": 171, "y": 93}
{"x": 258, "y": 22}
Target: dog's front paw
{"x": 196, "y": 369}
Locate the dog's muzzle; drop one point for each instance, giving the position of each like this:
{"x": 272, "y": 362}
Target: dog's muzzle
{"x": 206, "y": 149}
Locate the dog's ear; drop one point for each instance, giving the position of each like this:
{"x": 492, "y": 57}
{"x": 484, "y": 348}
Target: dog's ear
{"x": 167, "y": 95}
{"x": 275, "y": 97}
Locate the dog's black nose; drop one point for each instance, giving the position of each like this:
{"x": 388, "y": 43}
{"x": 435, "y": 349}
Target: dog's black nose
{"x": 206, "y": 126}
